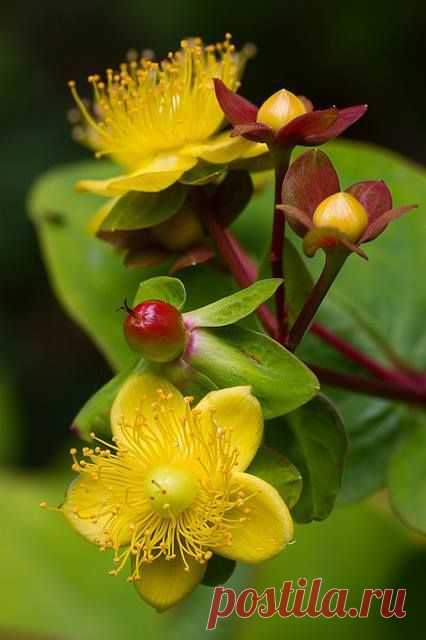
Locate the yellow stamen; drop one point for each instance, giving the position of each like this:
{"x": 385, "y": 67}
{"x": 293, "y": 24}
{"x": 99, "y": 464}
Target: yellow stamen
{"x": 166, "y": 488}
{"x": 147, "y": 107}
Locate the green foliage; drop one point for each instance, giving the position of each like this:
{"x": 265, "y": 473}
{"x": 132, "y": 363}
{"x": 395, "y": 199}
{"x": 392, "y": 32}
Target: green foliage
{"x": 314, "y": 439}
{"x": 232, "y": 356}
{"x": 407, "y": 474}
{"x": 164, "y": 288}
{"x": 234, "y": 307}
{"x": 137, "y": 210}
{"x": 277, "y": 470}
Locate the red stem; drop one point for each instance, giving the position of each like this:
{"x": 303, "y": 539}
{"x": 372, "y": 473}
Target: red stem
{"x": 244, "y": 270}
{"x": 374, "y": 367}
{"x": 277, "y": 250}
{"x": 242, "y": 267}
{"x": 378, "y": 388}
{"x": 333, "y": 263}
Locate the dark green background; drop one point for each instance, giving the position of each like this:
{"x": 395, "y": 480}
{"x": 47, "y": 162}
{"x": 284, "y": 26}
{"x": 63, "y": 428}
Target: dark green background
{"x": 334, "y": 52}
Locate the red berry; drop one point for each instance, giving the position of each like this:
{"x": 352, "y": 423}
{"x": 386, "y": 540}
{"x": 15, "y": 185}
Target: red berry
{"x": 156, "y": 330}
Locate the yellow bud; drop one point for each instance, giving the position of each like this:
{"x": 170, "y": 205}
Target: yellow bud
{"x": 280, "y": 109}
{"x": 342, "y": 211}
{"x": 179, "y": 232}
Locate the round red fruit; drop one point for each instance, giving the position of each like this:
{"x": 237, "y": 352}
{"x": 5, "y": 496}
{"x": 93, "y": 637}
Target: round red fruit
{"x": 156, "y": 330}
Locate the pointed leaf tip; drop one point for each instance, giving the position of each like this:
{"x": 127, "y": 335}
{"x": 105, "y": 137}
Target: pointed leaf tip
{"x": 237, "y": 109}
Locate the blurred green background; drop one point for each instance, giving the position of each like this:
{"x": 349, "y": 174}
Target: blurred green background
{"x": 336, "y": 53}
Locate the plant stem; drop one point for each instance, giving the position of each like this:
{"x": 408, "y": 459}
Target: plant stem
{"x": 241, "y": 266}
{"x": 334, "y": 261}
{"x": 243, "y": 270}
{"x": 277, "y": 248}
{"x": 378, "y": 388}
{"x": 352, "y": 353}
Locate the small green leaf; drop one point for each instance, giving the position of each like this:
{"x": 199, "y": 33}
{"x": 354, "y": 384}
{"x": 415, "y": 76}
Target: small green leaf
{"x": 164, "y": 288}
{"x": 219, "y": 570}
{"x": 234, "y": 307}
{"x": 314, "y": 439}
{"x": 232, "y": 356}
{"x": 407, "y": 475}
{"x": 277, "y": 470}
{"x": 140, "y": 210}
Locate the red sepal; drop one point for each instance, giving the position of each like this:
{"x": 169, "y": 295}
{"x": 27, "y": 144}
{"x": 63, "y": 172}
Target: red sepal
{"x": 374, "y": 195}
{"x": 237, "y": 109}
{"x": 310, "y": 179}
{"x": 192, "y": 257}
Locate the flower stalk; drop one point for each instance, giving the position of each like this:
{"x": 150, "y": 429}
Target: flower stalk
{"x": 334, "y": 261}
{"x": 406, "y": 386}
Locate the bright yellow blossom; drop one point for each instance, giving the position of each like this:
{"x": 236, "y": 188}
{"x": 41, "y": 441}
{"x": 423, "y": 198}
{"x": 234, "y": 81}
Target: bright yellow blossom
{"x": 158, "y": 120}
{"x": 172, "y": 490}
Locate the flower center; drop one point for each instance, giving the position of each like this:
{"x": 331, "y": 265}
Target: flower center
{"x": 170, "y": 490}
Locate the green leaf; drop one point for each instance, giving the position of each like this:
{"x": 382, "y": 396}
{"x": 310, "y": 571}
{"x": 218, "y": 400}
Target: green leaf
{"x": 232, "y": 356}
{"x": 86, "y": 274}
{"x": 164, "y": 288}
{"x": 138, "y": 210}
{"x": 219, "y": 570}
{"x": 277, "y": 470}
{"x": 407, "y": 475}
{"x": 314, "y": 439}
{"x": 234, "y": 307}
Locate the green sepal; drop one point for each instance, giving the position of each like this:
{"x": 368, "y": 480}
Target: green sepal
{"x": 219, "y": 570}
{"x": 202, "y": 173}
{"x": 270, "y": 465}
{"x": 141, "y": 210}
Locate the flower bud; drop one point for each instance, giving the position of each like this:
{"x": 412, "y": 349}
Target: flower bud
{"x": 342, "y": 211}
{"x": 180, "y": 232}
{"x": 156, "y": 330}
{"x": 278, "y": 110}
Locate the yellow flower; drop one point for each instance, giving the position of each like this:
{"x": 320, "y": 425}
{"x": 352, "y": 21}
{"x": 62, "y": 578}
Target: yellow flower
{"x": 172, "y": 490}
{"x": 158, "y": 120}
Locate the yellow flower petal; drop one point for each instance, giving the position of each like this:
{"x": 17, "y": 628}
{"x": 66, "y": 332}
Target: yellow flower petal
{"x": 157, "y": 174}
{"x": 164, "y": 583}
{"x": 82, "y": 504}
{"x": 142, "y": 398}
{"x": 254, "y": 150}
{"x": 100, "y": 215}
{"x": 266, "y": 528}
{"x": 222, "y": 149}
{"x": 239, "y": 411}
